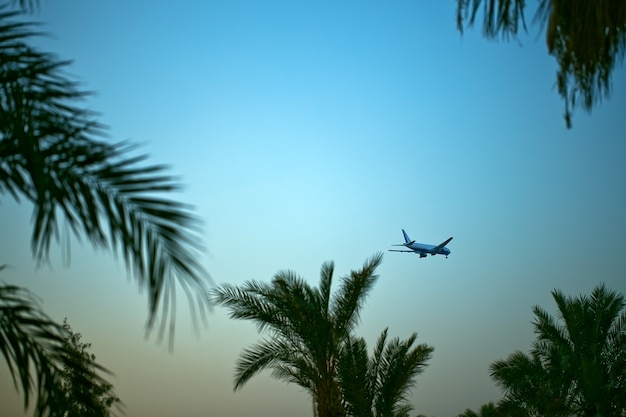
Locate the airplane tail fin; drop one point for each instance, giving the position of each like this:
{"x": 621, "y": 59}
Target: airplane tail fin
{"x": 407, "y": 240}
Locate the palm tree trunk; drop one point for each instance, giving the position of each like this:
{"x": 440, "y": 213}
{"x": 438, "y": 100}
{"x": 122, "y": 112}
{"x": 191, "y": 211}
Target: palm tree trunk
{"x": 328, "y": 400}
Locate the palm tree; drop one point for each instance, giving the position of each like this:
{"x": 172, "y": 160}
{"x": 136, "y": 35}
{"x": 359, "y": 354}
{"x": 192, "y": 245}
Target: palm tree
{"x": 587, "y": 38}
{"x": 308, "y": 328}
{"x": 578, "y": 363}
{"x": 378, "y": 387}
{"x": 52, "y": 155}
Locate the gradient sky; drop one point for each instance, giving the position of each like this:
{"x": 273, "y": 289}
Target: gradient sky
{"x": 315, "y": 131}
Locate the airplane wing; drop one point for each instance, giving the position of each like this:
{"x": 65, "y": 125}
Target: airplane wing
{"x": 441, "y": 245}
{"x": 396, "y": 250}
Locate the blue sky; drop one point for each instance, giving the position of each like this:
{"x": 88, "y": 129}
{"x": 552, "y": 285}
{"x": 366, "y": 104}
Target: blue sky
{"x": 315, "y": 131}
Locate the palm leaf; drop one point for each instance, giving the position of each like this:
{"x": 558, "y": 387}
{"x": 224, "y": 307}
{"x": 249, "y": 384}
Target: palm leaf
{"x": 355, "y": 379}
{"x": 502, "y": 17}
{"x": 51, "y": 154}
{"x": 380, "y": 386}
{"x": 348, "y": 300}
{"x": 401, "y": 364}
{"x": 257, "y": 358}
{"x": 250, "y": 302}
{"x": 326, "y": 280}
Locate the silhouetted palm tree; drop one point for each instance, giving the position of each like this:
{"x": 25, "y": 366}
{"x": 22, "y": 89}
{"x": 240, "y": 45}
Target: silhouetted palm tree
{"x": 378, "y": 387}
{"x": 308, "y": 328}
{"x": 578, "y": 363}
{"x": 587, "y": 38}
{"x": 51, "y": 155}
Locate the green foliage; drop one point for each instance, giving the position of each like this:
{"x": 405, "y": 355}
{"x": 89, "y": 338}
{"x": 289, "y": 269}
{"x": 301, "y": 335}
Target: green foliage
{"x": 308, "y": 327}
{"x": 74, "y": 397}
{"x": 38, "y": 355}
{"x": 51, "y": 155}
{"x": 577, "y": 365}
{"x": 378, "y": 386}
{"x": 587, "y": 38}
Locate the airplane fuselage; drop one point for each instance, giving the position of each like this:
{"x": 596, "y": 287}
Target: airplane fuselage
{"x": 423, "y": 249}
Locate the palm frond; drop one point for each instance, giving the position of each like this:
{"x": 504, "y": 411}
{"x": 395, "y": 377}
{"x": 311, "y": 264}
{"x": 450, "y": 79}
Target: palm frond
{"x": 489, "y": 410}
{"x": 401, "y": 364}
{"x": 502, "y": 17}
{"x": 516, "y": 372}
{"x": 469, "y": 413}
{"x": 51, "y": 155}
{"x": 605, "y": 306}
{"x": 256, "y": 358}
{"x": 297, "y": 370}
{"x": 326, "y": 281}
{"x": 548, "y": 330}
{"x": 249, "y": 302}
{"x": 27, "y": 6}
{"x": 379, "y": 386}
{"x": 376, "y": 363}
{"x": 616, "y": 336}
{"x": 348, "y": 300}
{"x": 354, "y": 374}
{"x": 24, "y": 331}
{"x": 308, "y": 327}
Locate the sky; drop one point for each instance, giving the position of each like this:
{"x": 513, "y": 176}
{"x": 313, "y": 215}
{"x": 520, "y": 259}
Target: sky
{"x": 313, "y": 131}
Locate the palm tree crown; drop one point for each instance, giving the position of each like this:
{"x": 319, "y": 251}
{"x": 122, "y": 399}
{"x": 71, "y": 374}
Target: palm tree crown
{"x": 308, "y": 328}
{"x": 578, "y": 363}
{"x": 378, "y": 387}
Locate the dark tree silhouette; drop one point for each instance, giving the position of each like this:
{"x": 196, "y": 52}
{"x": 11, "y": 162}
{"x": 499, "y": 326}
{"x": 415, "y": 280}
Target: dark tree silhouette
{"x": 38, "y": 356}
{"x": 578, "y": 363}
{"x": 308, "y": 328}
{"x": 378, "y": 386}
{"x": 587, "y": 38}
{"x": 74, "y": 397}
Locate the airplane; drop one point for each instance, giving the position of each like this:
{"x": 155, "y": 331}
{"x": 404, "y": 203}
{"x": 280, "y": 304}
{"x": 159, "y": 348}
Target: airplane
{"x": 421, "y": 248}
